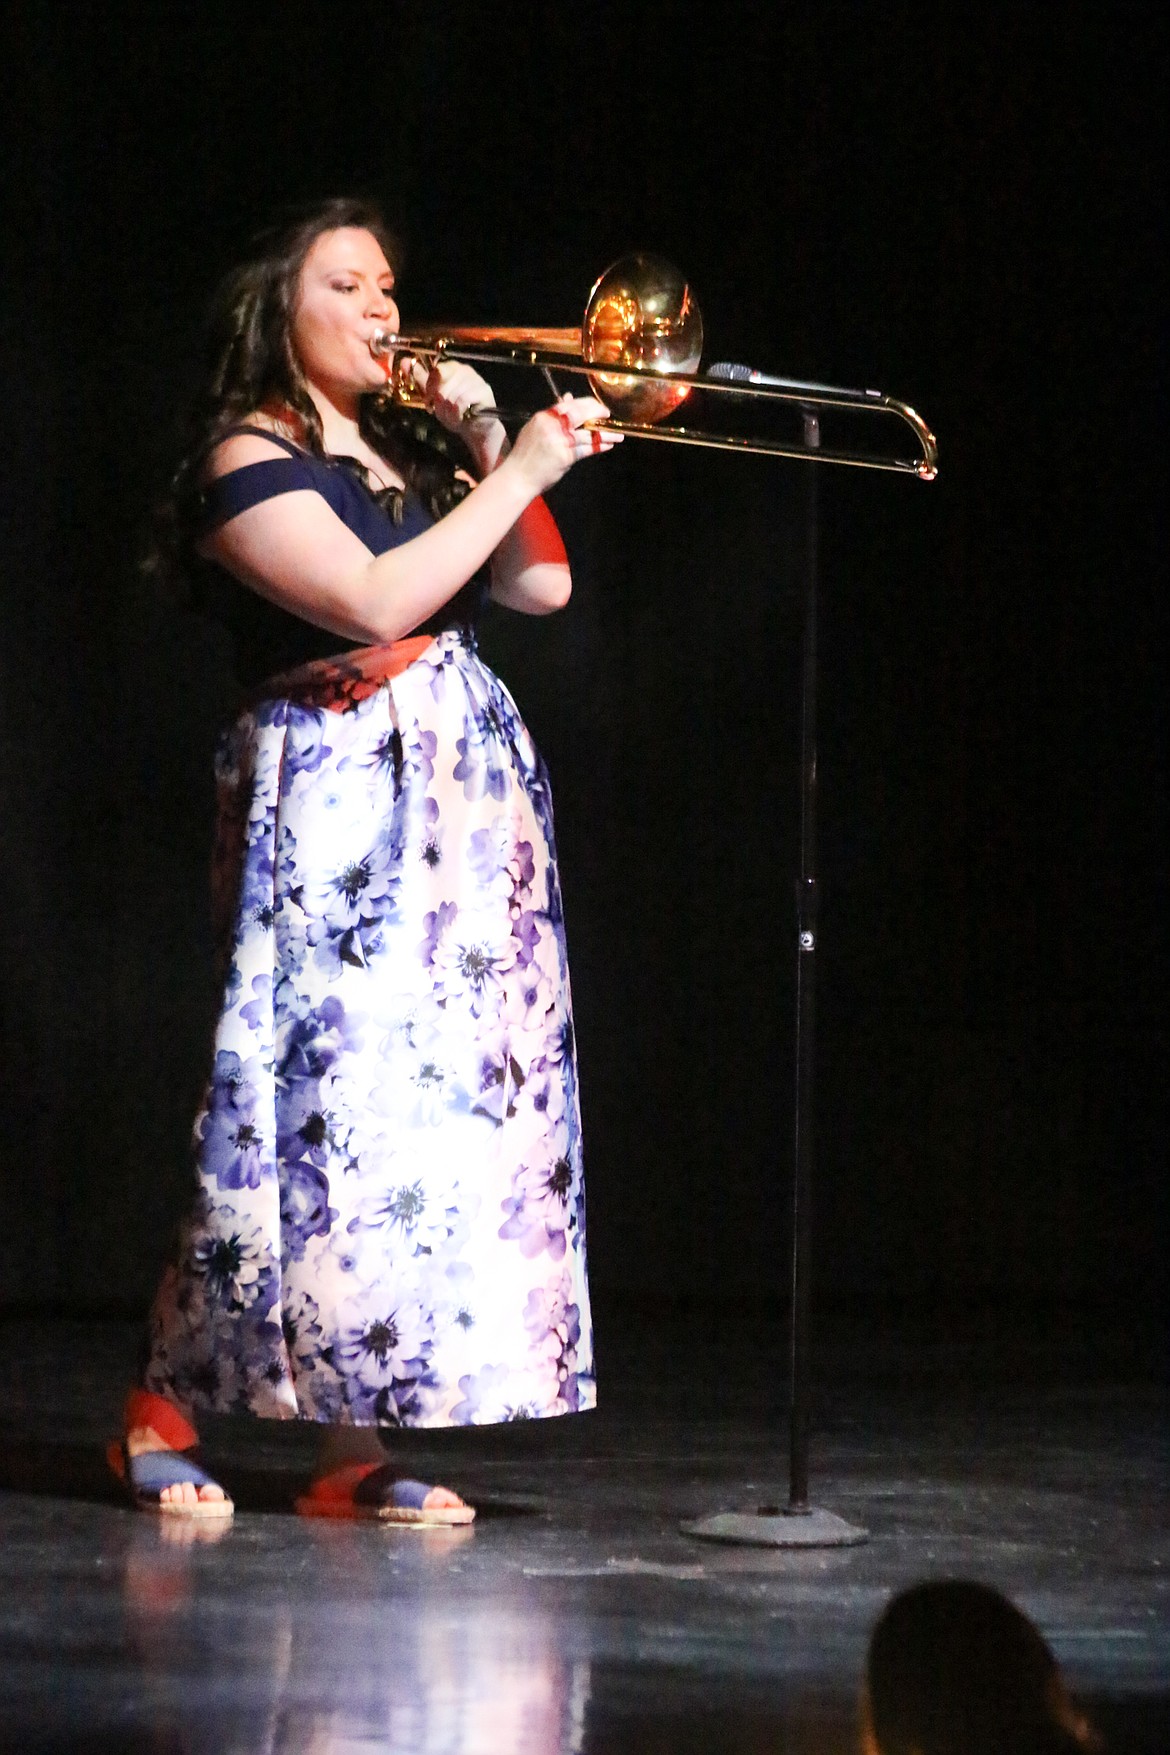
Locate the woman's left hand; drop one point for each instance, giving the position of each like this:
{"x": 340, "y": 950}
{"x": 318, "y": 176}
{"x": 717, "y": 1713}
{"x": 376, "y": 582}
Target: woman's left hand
{"x": 451, "y": 387}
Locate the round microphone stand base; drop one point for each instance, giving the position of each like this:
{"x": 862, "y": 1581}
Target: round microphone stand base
{"x": 770, "y": 1527}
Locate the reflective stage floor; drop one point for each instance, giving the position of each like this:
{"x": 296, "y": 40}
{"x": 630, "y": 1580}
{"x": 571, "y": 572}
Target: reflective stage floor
{"x": 575, "y": 1616}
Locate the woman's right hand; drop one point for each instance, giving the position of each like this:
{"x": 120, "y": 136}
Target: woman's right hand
{"x": 549, "y": 444}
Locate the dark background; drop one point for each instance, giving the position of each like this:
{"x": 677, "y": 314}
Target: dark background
{"x": 957, "y": 205}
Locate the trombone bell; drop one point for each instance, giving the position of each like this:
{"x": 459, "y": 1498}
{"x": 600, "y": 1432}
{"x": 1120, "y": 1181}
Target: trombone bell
{"x": 643, "y": 314}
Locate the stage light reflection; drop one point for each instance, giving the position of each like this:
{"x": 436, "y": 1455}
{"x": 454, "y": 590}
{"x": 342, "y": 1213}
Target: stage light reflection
{"x": 365, "y": 1643}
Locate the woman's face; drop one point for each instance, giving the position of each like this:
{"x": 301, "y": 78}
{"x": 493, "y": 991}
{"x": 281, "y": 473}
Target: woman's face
{"x": 345, "y": 293}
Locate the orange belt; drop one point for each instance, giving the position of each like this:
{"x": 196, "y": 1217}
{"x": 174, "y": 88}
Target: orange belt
{"x": 342, "y": 681}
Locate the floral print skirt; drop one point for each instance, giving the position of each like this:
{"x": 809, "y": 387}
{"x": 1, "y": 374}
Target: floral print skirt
{"x": 389, "y": 1221}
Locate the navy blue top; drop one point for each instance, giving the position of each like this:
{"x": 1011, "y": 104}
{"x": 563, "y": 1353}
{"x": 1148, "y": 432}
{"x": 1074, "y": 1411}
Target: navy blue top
{"x": 267, "y": 638}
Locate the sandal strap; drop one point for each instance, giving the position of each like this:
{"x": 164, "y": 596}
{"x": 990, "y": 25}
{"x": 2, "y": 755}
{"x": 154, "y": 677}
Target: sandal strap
{"x": 369, "y": 1484}
{"x": 382, "y": 1487}
{"x": 153, "y": 1470}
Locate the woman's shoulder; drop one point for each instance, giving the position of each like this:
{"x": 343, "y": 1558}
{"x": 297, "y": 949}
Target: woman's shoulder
{"x": 254, "y": 439}
{"x": 250, "y": 464}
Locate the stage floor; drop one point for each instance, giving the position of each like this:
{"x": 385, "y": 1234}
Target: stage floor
{"x": 575, "y": 1617}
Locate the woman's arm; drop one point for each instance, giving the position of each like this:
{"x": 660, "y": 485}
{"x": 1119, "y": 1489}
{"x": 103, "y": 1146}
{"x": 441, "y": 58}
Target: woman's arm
{"x": 529, "y": 568}
{"x": 295, "y": 551}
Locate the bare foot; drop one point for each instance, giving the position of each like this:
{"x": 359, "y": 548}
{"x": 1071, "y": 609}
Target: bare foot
{"x": 441, "y": 1497}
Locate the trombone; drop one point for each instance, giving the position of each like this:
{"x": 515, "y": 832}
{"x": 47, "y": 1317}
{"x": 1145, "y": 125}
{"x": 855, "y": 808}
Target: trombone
{"x": 639, "y": 347}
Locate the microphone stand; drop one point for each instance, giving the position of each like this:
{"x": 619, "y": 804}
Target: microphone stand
{"x": 799, "y": 1524}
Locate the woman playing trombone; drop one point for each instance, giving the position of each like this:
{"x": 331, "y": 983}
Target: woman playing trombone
{"x": 388, "y": 1219}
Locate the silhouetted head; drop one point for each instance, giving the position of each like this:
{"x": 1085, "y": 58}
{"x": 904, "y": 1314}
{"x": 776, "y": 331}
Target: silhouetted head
{"x": 954, "y": 1668}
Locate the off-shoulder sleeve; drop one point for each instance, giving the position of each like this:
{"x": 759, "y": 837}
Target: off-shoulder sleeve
{"x": 229, "y": 495}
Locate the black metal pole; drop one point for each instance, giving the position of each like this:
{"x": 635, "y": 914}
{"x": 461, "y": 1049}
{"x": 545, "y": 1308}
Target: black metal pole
{"x": 799, "y": 1524}
{"x": 804, "y": 1136}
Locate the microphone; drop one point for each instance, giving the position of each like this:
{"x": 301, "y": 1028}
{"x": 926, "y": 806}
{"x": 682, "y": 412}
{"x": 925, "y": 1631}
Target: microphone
{"x": 733, "y": 372}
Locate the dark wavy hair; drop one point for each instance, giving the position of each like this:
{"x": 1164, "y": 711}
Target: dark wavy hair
{"x": 251, "y": 361}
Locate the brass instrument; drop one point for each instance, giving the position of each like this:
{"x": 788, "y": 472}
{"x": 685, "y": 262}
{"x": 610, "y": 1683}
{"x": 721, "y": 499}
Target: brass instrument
{"x": 639, "y": 347}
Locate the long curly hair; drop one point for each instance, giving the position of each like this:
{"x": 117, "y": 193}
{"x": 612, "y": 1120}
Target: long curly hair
{"x": 251, "y": 362}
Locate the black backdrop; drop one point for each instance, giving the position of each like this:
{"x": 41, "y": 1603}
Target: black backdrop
{"x": 961, "y": 211}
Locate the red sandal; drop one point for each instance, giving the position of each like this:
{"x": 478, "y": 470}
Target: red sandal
{"x": 372, "y": 1490}
{"x": 147, "y": 1475}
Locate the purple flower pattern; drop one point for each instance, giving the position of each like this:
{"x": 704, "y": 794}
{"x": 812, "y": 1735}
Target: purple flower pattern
{"x": 389, "y": 1216}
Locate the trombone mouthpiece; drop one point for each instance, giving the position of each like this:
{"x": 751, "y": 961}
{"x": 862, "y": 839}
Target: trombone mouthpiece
{"x": 382, "y": 342}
